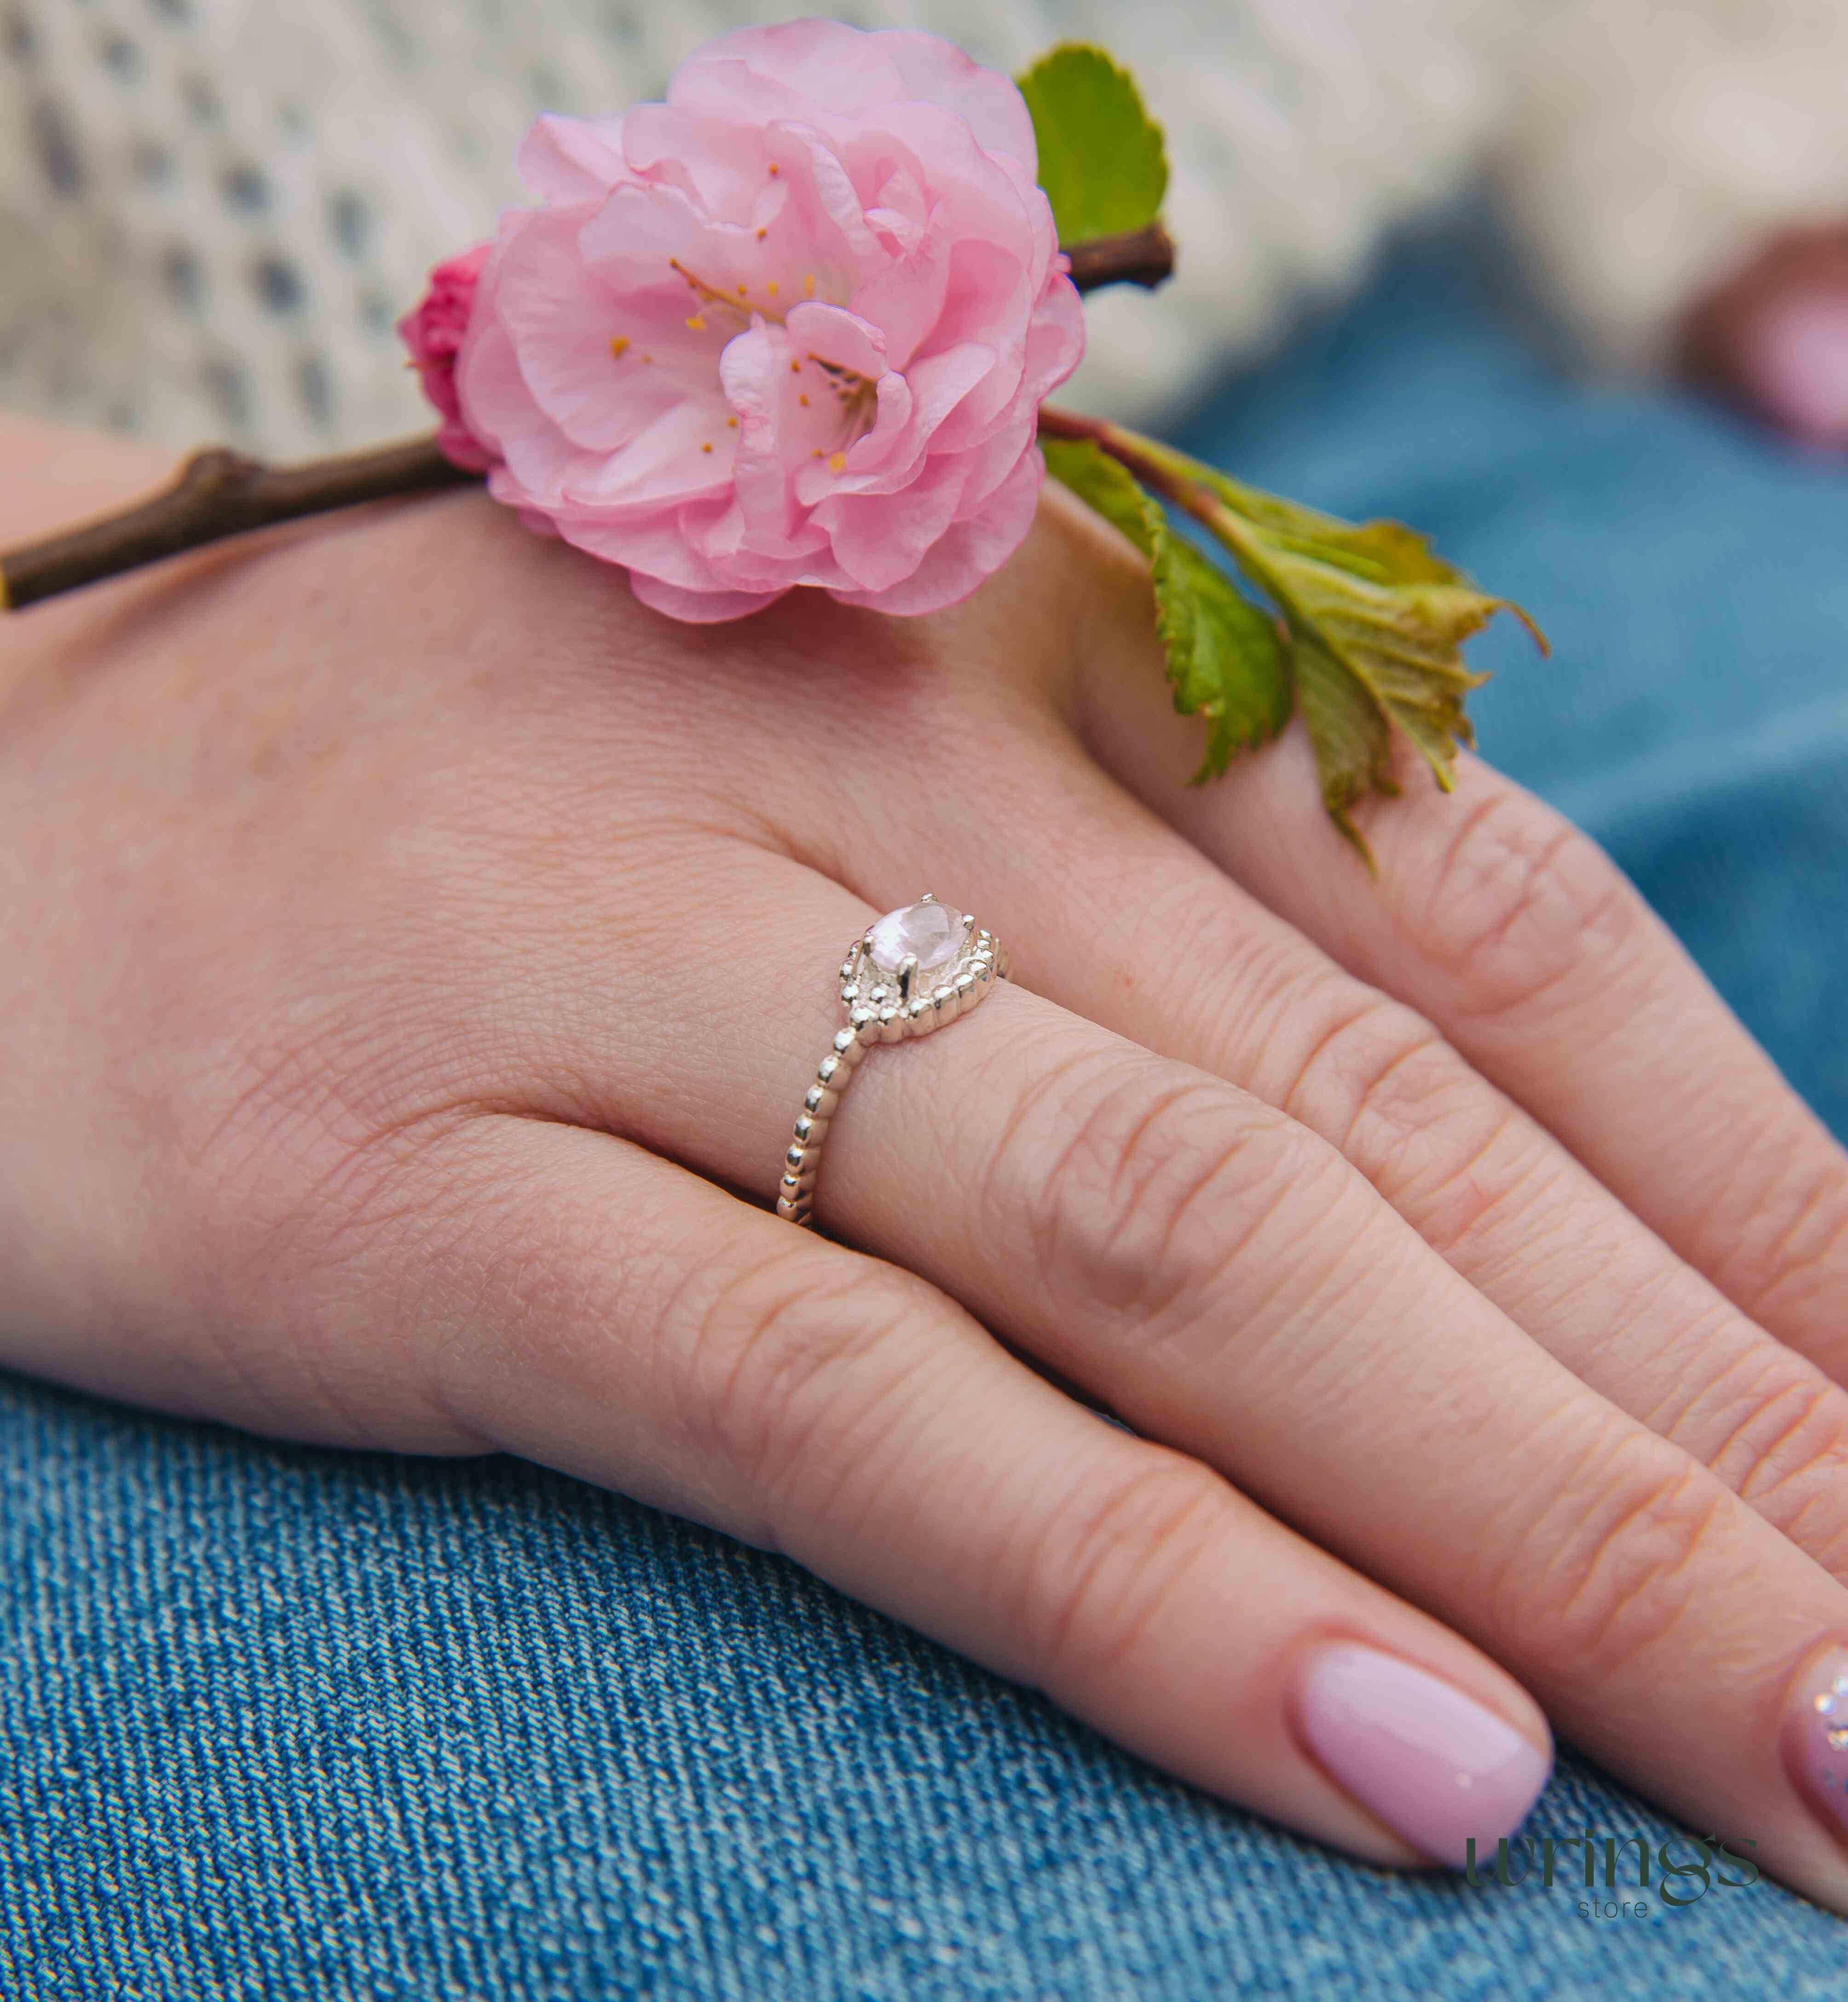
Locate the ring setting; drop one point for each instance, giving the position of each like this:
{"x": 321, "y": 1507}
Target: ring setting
{"x": 912, "y": 971}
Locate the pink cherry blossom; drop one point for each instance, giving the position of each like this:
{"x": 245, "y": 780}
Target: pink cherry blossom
{"x": 793, "y": 326}
{"x": 434, "y": 333}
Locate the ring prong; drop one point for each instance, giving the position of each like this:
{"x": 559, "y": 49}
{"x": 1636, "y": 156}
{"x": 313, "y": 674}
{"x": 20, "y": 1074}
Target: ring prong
{"x": 908, "y": 972}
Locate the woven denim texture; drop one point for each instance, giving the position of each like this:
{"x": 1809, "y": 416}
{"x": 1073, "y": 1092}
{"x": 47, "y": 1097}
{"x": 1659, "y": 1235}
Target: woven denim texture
{"x": 281, "y": 1723}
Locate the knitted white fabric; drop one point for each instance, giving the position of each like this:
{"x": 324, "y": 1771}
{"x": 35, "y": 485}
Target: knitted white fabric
{"x": 212, "y": 211}
{"x": 1660, "y": 143}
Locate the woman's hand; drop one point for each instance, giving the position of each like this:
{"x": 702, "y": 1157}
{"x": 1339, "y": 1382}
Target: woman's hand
{"x": 415, "y": 955}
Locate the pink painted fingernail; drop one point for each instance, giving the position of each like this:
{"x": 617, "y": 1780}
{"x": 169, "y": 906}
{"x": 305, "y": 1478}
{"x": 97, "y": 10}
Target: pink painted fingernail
{"x": 1815, "y": 1737}
{"x": 1797, "y": 356}
{"x": 1431, "y": 1762}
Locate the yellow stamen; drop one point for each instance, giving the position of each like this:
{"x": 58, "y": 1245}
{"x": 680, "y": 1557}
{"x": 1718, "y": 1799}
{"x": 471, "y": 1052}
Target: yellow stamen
{"x": 774, "y": 169}
{"x": 731, "y": 423}
{"x": 697, "y": 324}
{"x": 620, "y": 346}
{"x": 837, "y": 464}
{"x": 805, "y": 399}
{"x": 808, "y": 285}
{"x": 795, "y": 368}
{"x": 762, "y": 234}
{"x": 710, "y": 295}
{"x": 771, "y": 289}
{"x": 705, "y": 448}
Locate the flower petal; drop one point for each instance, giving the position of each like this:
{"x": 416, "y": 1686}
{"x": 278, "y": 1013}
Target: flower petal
{"x": 571, "y": 159}
{"x": 791, "y": 327}
{"x": 969, "y": 552}
{"x": 765, "y": 72}
{"x": 698, "y": 608}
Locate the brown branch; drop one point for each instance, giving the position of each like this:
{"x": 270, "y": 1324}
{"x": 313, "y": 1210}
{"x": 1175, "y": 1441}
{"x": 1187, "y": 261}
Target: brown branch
{"x": 1139, "y": 257}
{"x": 1153, "y": 466}
{"x": 218, "y": 494}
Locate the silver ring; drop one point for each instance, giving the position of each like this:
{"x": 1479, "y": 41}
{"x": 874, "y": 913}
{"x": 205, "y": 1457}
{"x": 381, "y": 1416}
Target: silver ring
{"x": 908, "y": 973}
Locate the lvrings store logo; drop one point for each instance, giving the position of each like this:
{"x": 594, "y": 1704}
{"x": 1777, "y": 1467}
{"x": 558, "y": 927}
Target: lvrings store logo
{"x": 1624, "y": 1872}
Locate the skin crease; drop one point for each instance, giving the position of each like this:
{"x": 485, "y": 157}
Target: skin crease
{"x": 388, "y": 902}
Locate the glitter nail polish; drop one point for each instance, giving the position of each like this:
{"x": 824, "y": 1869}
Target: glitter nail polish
{"x": 1815, "y": 1736}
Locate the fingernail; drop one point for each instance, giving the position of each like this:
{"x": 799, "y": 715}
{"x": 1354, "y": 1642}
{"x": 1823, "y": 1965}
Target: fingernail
{"x": 1431, "y": 1762}
{"x": 1798, "y": 357}
{"x": 1815, "y": 1737}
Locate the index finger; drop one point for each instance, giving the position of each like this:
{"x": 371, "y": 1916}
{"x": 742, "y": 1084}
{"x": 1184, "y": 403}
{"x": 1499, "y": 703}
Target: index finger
{"x": 1526, "y": 944}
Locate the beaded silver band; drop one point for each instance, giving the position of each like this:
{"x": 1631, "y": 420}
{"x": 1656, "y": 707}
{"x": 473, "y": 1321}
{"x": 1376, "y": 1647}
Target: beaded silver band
{"x": 884, "y": 1003}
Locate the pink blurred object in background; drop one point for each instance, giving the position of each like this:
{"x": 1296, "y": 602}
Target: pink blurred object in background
{"x": 1773, "y": 337}
{"x": 1797, "y": 360}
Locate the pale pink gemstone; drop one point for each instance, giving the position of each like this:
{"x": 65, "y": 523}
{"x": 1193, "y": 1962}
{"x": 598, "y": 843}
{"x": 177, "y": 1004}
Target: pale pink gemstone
{"x": 933, "y": 931}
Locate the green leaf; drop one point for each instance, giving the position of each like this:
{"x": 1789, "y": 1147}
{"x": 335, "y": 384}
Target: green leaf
{"x": 1370, "y": 657}
{"x": 1102, "y": 160}
{"x": 1225, "y": 655}
{"x": 1104, "y": 485}
{"x": 1353, "y": 741}
{"x": 1384, "y": 552}
{"x": 1375, "y": 623}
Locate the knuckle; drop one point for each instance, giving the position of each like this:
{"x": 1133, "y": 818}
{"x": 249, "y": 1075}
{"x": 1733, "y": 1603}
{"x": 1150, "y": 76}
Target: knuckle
{"x": 769, "y": 1351}
{"x": 1784, "y": 1449}
{"x": 1521, "y": 900}
{"x": 1140, "y": 1182}
{"x": 1399, "y": 1103}
{"x": 1790, "y": 1232}
{"x": 1093, "y": 1581}
{"x": 1596, "y": 1582}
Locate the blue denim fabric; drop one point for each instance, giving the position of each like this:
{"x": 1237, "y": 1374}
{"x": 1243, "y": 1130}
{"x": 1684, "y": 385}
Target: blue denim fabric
{"x": 280, "y": 1723}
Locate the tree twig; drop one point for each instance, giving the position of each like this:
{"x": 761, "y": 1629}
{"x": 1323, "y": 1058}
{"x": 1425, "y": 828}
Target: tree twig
{"x": 220, "y": 492}
{"x": 1139, "y": 257}
{"x": 1152, "y": 465}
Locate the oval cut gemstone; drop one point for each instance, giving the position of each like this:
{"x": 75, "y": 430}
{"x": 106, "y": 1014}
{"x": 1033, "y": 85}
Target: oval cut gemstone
{"x": 933, "y": 931}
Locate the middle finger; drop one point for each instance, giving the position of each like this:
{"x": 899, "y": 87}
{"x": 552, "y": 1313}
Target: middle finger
{"x": 1113, "y": 915}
